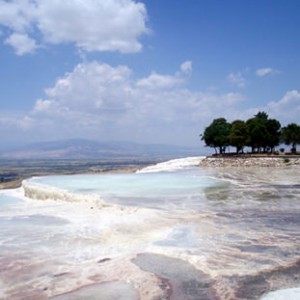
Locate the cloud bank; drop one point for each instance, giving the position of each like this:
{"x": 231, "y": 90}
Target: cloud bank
{"x": 99, "y": 101}
{"x": 103, "y": 102}
{"x": 110, "y": 25}
{"x": 287, "y": 108}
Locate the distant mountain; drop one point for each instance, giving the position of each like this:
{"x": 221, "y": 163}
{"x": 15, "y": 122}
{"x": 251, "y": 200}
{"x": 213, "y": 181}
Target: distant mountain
{"x": 88, "y": 149}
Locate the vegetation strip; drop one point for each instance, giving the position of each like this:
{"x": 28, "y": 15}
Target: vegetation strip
{"x": 259, "y": 133}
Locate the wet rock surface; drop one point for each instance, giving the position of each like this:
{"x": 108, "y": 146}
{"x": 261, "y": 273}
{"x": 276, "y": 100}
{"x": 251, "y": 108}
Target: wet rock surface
{"x": 253, "y": 287}
{"x": 184, "y": 281}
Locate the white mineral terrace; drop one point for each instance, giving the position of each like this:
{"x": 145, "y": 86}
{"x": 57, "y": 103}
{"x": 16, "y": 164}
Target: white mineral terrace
{"x": 174, "y": 231}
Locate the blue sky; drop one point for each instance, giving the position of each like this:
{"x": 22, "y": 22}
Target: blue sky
{"x": 144, "y": 71}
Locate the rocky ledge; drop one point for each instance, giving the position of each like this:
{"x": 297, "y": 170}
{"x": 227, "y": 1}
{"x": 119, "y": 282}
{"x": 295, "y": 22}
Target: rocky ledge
{"x": 249, "y": 161}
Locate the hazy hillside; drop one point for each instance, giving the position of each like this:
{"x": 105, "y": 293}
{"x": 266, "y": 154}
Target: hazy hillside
{"x": 81, "y": 148}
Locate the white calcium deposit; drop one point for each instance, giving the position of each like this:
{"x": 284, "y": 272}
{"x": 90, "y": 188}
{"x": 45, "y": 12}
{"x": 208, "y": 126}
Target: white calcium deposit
{"x": 286, "y": 294}
{"x": 141, "y": 233}
{"x": 174, "y": 164}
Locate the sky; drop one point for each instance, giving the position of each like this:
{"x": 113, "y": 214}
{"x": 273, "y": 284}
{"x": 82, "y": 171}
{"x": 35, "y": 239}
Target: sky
{"x": 152, "y": 71}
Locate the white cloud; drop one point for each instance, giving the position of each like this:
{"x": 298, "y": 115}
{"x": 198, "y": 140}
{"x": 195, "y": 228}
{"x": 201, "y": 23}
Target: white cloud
{"x": 237, "y": 79}
{"x": 21, "y": 43}
{"x": 100, "y": 101}
{"x": 17, "y": 14}
{"x": 266, "y": 71}
{"x": 155, "y": 81}
{"x": 17, "y": 122}
{"x": 92, "y": 87}
{"x": 42, "y": 105}
{"x": 111, "y": 25}
{"x": 186, "y": 67}
{"x": 287, "y": 109}
{"x": 26, "y": 123}
{"x": 159, "y": 81}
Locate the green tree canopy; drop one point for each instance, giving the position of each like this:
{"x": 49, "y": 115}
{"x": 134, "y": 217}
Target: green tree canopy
{"x": 263, "y": 132}
{"x": 216, "y": 134}
{"x": 290, "y": 135}
{"x": 274, "y": 133}
{"x": 238, "y": 135}
{"x": 259, "y": 132}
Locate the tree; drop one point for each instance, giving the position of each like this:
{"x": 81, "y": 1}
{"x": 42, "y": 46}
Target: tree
{"x": 290, "y": 135}
{"x": 216, "y": 134}
{"x": 262, "y": 115}
{"x": 264, "y": 133}
{"x": 274, "y": 133}
{"x": 238, "y": 135}
{"x": 257, "y": 132}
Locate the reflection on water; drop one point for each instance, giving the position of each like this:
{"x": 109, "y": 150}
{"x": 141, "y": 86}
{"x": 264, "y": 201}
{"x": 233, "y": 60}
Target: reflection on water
{"x": 221, "y": 234}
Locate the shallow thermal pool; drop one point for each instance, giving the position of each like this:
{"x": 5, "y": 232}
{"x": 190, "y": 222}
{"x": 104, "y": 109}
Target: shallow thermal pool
{"x": 173, "y": 231}
{"x": 157, "y": 190}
